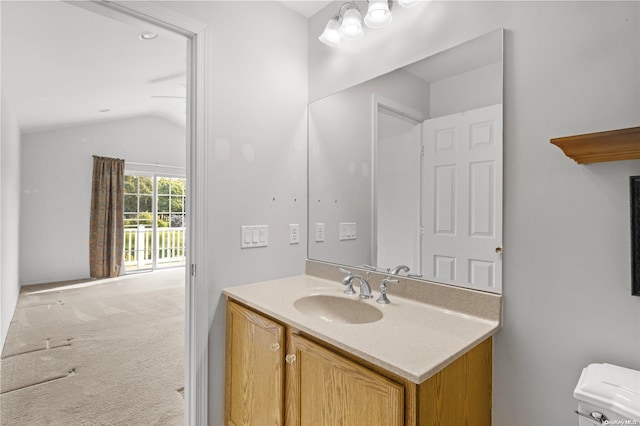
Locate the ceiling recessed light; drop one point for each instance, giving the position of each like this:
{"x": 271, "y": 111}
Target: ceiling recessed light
{"x": 147, "y": 35}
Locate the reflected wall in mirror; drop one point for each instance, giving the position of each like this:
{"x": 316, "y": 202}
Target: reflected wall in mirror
{"x": 406, "y": 169}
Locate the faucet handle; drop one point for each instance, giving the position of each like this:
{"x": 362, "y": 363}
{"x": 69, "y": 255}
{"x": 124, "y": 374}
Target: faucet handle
{"x": 383, "y": 299}
{"x": 348, "y": 281}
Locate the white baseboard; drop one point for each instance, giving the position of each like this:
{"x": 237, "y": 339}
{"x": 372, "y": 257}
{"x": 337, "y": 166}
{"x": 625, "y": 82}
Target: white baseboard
{"x": 49, "y": 280}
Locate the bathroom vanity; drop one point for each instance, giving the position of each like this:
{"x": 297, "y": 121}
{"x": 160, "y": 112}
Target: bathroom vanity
{"x": 412, "y": 182}
{"x": 301, "y": 352}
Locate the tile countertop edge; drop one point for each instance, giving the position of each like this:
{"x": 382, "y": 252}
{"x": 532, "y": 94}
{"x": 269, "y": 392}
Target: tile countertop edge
{"x": 415, "y": 377}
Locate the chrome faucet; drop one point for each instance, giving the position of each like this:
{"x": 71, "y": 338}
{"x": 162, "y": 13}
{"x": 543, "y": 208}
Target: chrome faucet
{"x": 365, "y": 288}
{"x": 398, "y": 269}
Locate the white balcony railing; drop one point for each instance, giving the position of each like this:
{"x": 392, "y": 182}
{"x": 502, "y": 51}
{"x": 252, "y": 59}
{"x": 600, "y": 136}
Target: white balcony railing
{"x": 139, "y": 250}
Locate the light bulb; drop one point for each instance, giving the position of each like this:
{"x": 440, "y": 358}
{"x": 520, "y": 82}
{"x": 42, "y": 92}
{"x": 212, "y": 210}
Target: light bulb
{"x": 378, "y": 14}
{"x": 351, "y": 28}
{"x": 331, "y": 34}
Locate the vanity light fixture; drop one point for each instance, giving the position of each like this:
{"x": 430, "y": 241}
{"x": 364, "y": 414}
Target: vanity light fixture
{"x": 347, "y": 23}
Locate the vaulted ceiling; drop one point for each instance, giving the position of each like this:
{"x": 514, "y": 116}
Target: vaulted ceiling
{"x": 63, "y": 65}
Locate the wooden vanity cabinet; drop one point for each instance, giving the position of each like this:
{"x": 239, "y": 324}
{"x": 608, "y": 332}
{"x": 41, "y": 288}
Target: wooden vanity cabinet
{"x": 460, "y": 393}
{"x": 312, "y": 384}
{"x": 255, "y": 369}
{"x": 324, "y": 388}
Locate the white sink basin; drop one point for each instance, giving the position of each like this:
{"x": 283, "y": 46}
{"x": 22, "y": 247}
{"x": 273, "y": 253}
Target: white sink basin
{"x": 338, "y": 309}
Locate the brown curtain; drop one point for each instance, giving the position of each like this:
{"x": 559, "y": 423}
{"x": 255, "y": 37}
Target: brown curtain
{"x": 107, "y": 223}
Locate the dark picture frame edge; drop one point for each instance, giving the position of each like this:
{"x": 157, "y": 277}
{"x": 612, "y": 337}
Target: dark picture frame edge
{"x": 634, "y": 195}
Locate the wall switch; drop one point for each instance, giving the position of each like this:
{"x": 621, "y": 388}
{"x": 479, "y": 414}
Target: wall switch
{"x": 347, "y": 231}
{"x": 319, "y": 232}
{"x": 294, "y": 233}
{"x": 254, "y": 236}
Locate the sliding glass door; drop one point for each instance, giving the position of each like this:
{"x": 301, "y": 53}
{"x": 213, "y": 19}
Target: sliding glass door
{"x": 154, "y": 222}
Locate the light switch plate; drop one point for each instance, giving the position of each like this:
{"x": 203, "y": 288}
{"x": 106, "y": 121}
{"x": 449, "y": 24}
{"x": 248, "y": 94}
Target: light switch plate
{"x": 254, "y": 236}
{"x": 319, "y": 232}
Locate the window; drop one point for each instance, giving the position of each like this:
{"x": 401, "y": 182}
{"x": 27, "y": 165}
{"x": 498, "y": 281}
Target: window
{"x": 154, "y": 222}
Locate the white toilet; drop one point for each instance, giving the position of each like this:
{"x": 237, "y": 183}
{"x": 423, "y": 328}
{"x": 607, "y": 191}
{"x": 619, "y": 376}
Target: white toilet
{"x": 608, "y": 394}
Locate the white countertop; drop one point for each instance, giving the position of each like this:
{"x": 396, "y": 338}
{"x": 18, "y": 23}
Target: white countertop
{"x": 413, "y": 340}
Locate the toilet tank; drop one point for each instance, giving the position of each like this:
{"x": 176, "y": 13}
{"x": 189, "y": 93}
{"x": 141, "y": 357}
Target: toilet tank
{"x": 609, "y": 390}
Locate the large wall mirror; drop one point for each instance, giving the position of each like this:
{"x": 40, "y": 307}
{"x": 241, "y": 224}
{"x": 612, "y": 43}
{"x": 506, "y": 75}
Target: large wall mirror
{"x": 405, "y": 170}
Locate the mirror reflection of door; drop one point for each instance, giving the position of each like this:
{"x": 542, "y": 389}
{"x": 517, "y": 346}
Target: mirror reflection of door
{"x": 398, "y": 224}
{"x": 438, "y": 195}
{"x": 463, "y": 198}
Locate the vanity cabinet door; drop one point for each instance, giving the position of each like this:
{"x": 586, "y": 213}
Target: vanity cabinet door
{"x": 255, "y": 369}
{"x": 326, "y": 389}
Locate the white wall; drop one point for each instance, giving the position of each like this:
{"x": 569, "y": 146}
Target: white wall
{"x": 56, "y": 188}
{"x": 9, "y": 217}
{"x": 474, "y": 89}
{"x": 570, "y": 68}
{"x": 257, "y": 165}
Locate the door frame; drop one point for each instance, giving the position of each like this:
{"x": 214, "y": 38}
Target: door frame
{"x": 196, "y": 294}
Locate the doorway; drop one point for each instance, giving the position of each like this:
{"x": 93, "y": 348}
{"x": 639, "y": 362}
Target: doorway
{"x": 195, "y": 292}
{"x": 398, "y": 183}
{"x": 397, "y": 158}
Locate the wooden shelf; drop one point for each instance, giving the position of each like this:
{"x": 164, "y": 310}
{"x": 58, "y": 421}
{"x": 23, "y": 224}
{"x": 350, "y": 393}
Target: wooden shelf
{"x": 613, "y": 145}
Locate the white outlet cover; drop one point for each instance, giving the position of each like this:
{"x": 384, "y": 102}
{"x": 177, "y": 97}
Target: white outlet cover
{"x": 347, "y": 231}
{"x": 294, "y": 233}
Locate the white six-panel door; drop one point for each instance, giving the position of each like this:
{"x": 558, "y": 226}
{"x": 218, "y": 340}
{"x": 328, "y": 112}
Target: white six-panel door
{"x": 462, "y": 198}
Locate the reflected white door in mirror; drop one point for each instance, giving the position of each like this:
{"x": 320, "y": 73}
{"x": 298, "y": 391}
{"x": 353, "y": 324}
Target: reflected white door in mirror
{"x": 463, "y": 197}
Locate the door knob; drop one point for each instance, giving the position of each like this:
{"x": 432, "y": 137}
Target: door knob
{"x": 290, "y": 359}
{"x": 499, "y": 249}
{"x": 274, "y": 347}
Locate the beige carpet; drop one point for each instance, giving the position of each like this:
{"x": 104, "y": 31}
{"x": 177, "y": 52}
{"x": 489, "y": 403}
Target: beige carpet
{"x": 108, "y": 352}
